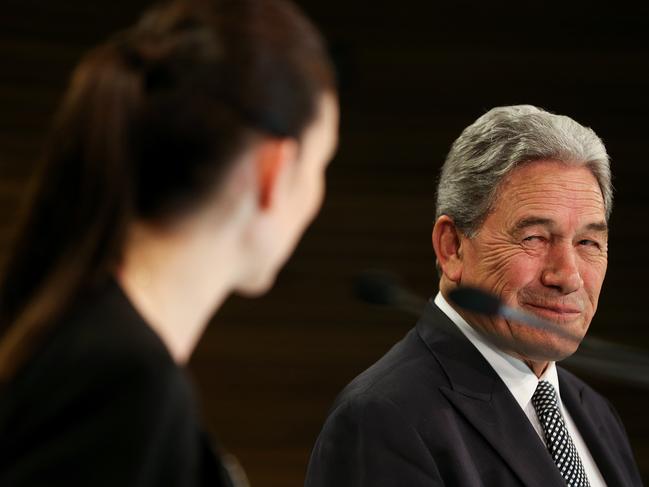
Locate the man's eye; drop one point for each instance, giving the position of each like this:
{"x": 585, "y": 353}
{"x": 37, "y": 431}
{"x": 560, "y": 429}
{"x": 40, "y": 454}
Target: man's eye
{"x": 533, "y": 238}
{"x": 590, "y": 243}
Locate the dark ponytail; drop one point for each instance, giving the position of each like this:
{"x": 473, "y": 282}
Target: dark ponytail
{"x": 149, "y": 123}
{"x": 73, "y": 231}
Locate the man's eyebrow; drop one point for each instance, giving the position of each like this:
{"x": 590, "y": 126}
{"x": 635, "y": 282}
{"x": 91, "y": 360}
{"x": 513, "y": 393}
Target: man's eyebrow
{"x": 531, "y": 222}
{"x": 524, "y": 223}
{"x": 598, "y": 227}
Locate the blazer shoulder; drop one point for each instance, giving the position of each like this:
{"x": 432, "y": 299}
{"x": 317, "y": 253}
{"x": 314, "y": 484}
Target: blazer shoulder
{"x": 101, "y": 374}
{"x": 101, "y": 352}
{"x": 407, "y": 378}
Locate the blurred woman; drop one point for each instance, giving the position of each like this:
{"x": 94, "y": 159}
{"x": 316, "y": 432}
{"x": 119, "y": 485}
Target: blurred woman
{"x": 186, "y": 160}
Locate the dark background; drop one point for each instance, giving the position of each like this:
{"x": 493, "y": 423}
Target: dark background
{"x": 413, "y": 75}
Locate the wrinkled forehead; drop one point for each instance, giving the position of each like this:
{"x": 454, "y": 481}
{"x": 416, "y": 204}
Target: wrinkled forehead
{"x": 550, "y": 189}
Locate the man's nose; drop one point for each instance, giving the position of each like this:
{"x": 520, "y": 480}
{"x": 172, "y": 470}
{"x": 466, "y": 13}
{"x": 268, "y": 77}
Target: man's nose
{"x": 561, "y": 269}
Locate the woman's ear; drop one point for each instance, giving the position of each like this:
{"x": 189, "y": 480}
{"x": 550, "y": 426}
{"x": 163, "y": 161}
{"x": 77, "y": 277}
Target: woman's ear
{"x": 448, "y": 248}
{"x": 273, "y": 157}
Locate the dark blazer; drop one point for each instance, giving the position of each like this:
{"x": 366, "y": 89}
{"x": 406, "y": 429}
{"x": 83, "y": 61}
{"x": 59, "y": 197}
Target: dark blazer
{"x": 432, "y": 411}
{"x": 102, "y": 403}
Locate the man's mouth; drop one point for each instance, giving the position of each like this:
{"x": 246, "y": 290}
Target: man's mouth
{"x": 554, "y": 312}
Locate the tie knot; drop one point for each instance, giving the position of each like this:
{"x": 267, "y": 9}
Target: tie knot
{"x": 544, "y": 399}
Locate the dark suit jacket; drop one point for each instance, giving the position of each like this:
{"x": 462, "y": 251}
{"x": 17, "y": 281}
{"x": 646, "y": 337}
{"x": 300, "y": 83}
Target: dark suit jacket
{"x": 102, "y": 403}
{"x": 432, "y": 411}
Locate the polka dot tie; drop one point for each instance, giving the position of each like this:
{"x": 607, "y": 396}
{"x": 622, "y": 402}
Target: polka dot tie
{"x": 557, "y": 438}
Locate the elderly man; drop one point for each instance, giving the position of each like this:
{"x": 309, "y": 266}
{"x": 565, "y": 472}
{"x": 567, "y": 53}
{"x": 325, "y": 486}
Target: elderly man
{"x": 469, "y": 400}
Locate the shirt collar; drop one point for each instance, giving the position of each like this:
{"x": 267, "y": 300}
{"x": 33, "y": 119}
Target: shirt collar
{"x": 517, "y": 376}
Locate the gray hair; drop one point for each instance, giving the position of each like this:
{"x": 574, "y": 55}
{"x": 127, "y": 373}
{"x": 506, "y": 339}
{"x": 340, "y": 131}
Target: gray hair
{"x": 501, "y": 140}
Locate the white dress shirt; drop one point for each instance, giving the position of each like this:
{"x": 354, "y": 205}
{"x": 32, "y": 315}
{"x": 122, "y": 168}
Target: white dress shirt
{"x": 522, "y": 382}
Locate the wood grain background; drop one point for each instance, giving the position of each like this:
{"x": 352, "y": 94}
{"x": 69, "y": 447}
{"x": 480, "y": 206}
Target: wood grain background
{"x": 413, "y": 75}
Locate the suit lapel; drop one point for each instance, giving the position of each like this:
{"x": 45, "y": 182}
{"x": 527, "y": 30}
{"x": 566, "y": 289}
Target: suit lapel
{"x": 484, "y": 401}
{"x": 590, "y": 427}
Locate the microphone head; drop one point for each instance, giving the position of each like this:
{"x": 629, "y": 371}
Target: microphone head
{"x": 377, "y": 287}
{"x": 476, "y": 300}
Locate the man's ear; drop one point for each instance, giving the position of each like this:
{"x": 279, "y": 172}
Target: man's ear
{"x": 448, "y": 248}
{"x": 273, "y": 157}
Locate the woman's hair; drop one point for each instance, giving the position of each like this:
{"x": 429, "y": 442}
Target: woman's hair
{"x": 149, "y": 123}
{"x": 500, "y": 141}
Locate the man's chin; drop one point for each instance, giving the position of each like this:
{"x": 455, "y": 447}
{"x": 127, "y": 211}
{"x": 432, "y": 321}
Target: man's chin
{"x": 539, "y": 346}
{"x": 552, "y": 350}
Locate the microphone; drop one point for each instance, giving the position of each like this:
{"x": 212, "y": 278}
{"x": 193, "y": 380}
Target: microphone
{"x": 481, "y": 302}
{"x": 384, "y": 288}
{"x": 620, "y": 363}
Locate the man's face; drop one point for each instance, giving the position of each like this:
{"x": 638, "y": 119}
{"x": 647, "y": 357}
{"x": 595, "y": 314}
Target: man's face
{"x": 542, "y": 248}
